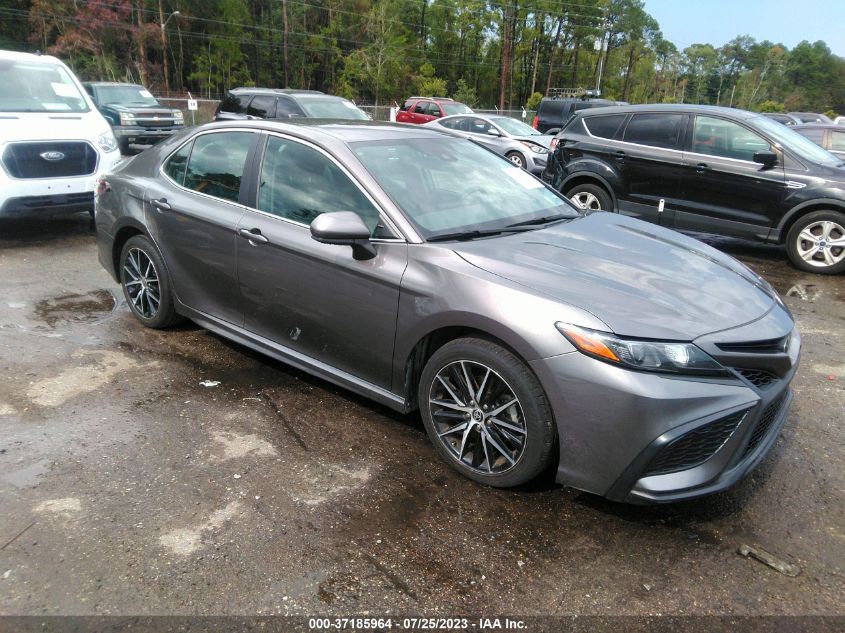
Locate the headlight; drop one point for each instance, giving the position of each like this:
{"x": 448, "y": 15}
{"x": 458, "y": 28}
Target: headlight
{"x": 177, "y": 114}
{"x": 535, "y": 148}
{"x": 127, "y": 118}
{"x": 107, "y": 141}
{"x": 667, "y": 357}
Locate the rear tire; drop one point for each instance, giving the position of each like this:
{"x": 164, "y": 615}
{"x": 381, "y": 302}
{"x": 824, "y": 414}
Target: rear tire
{"x": 500, "y": 431}
{"x": 590, "y": 197}
{"x": 146, "y": 284}
{"x": 816, "y": 242}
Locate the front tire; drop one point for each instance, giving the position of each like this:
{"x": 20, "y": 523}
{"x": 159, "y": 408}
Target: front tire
{"x": 590, "y": 198}
{"x": 816, "y": 242}
{"x": 516, "y": 158}
{"x": 486, "y": 413}
{"x": 146, "y": 284}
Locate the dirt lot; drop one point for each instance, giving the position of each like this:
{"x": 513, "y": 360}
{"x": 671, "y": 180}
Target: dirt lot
{"x": 128, "y": 487}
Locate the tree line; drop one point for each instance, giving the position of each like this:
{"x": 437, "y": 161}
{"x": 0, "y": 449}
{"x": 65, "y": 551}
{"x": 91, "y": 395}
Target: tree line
{"x": 503, "y": 53}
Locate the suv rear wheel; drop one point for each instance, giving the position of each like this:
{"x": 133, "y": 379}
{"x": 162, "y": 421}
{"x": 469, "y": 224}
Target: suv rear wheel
{"x": 816, "y": 242}
{"x": 590, "y": 197}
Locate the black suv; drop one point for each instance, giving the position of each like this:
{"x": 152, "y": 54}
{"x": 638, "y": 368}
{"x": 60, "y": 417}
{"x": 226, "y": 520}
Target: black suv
{"x": 271, "y": 103}
{"x": 554, "y": 112}
{"x": 707, "y": 169}
{"x": 135, "y": 115}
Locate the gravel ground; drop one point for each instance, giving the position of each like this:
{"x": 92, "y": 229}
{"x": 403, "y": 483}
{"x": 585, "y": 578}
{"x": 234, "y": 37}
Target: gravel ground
{"x": 127, "y": 487}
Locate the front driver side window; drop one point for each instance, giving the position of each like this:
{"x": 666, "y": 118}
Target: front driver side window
{"x": 216, "y": 165}
{"x": 299, "y": 183}
{"x": 719, "y": 137}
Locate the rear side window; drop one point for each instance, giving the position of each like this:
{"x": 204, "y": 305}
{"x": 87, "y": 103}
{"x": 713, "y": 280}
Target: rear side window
{"x": 216, "y": 165}
{"x": 815, "y": 135}
{"x": 234, "y": 103}
{"x": 604, "y": 126}
{"x": 655, "y": 130}
{"x": 286, "y": 108}
{"x": 407, "y": 105}
{"x": 261, "y": 106}
{"x": 175, "y": 166}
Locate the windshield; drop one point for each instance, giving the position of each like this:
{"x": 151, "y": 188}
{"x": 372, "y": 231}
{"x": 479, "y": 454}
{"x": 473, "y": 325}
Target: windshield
{"x": 126, "y": 95}
{"x": 448, "y": 185}
{"x": 514, "y": 127}
{"x": 454, "y": 108}
{"x": 790, "y": 139}
{"x": 332, "y": 109}
{"x": 31, "y": 86}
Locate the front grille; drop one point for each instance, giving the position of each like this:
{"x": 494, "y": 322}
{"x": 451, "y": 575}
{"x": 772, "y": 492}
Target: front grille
{"x": 758, "y": 377}
{"x": 769, "y": 346}
{"x": 765, "y": 423}
{"x": 694, "y": 448}
{"x": 153, "y": 123}
{"x": 70, "y": 158}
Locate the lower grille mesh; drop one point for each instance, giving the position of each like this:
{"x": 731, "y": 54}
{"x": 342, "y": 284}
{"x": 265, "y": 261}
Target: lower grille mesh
{"x": 694, "y": 448}
{"x": 759, "y": 378}
{"x": 765, "y": 423}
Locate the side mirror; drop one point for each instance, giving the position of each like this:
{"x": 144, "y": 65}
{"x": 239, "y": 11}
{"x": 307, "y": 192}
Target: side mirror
{"x": 344, "y": 228}
{"x": 766, "y": 159}
{"x": 494, "y": 132}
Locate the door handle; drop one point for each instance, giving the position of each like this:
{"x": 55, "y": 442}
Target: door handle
{"x": 253, "y": 235}
{"x": 701, "y": 168}
{"x": 161, "y": 204}
{"x": 620, "y": 155}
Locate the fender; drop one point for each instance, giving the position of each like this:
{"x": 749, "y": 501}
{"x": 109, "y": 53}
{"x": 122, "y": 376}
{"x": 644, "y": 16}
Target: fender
{"x": 775, "y": 235}
{"x": 589, "y": 173}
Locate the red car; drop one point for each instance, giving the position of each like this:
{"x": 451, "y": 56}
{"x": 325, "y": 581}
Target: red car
{"x": 425, "y": 109}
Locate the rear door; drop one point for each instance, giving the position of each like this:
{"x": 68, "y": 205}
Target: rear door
{"x": 192, "y": 214}
{"x": 317, "y": 299}
{"x": 722, "y": 189}
{"x": 649, "y": 163}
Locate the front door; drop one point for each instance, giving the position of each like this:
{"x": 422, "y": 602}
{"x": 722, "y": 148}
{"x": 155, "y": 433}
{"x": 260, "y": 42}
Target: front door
{"x": 723, "y": 190}
{"x": 193, "y": 215}
{"x": 314, "y": 298}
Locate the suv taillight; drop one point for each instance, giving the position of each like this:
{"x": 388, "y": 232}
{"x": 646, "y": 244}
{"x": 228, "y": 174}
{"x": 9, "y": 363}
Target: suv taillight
{"x": 536, "y": 121}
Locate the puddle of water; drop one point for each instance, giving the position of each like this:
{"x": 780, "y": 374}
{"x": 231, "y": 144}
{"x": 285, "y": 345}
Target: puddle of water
{"x": 74, "y": 308}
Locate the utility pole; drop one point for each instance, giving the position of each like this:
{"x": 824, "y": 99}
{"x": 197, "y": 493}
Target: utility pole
{"x": 599, "y": 46}
{"x": 163, "y": 23}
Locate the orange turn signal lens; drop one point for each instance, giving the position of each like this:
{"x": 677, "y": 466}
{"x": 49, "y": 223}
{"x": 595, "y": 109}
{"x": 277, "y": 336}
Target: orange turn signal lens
{"x": 586, "y": 343}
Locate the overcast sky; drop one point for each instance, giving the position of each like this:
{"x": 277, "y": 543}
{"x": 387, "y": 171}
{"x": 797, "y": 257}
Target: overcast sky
{"x": 686, "y": 22}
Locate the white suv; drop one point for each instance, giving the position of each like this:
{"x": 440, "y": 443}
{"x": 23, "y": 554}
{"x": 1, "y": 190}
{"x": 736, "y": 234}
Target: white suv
{"x": 54, "y": 144}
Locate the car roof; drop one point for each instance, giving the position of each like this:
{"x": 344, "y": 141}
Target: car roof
{"x": 275, "y": 91}
{"x": 817, "y": 126}
{"x": 30, "y": 57}
{"x": 346, "y": 131}
{"x": 669, "y": 107}
{"x": 110, "y": 83}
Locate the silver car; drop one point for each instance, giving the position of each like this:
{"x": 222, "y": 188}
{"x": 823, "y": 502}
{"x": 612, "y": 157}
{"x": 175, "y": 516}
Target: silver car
{"x": 425, "y": 272}
{"x": 519, "y": 143}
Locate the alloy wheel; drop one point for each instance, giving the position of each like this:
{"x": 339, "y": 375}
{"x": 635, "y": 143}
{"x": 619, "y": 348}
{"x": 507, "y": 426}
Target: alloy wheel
{"x": 822, "y": 243}
{"x": 586, "y": 200}
{"x": 477, "y": 417}
{"x": 141, "y": 281}
{"x": 516, "y": 159}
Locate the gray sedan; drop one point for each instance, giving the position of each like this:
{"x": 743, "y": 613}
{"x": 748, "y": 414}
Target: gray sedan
{"x": 519, "y": 143}
{"x": 427, "y": 273}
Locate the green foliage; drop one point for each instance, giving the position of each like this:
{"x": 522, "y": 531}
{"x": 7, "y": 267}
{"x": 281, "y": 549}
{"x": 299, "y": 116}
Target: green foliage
{"x": 533, "y": 101}
{"x": 770, "y": 106}
{"x": 465, "y": 93}
{"x": 429, "y": 85}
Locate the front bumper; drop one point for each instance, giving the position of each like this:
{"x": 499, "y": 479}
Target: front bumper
{"x": 144, "y": 136}
{"x": 642, "y": 437}
{"x": 536, "y": 163}
{"x": 38, "y": 197}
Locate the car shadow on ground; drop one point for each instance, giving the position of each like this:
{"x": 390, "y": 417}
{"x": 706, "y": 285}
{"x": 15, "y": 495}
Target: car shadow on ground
{"x": 21, "y": 232}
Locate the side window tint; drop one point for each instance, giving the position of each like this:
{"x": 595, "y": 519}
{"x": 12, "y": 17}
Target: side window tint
{"x": 719, "y": 137}
{"x": 286, "y": 108}
{"x": 815, "y": 135}
{"x": 604, "y": 126}
{"x": 433, "y": 110}
{"x": 243, "y": 102}
{"x": 261, "y": 107}
{"x": 656, "y": 130}
{"x": 837, "y": 141}
{"x": 452, "y": 124}
{"x": 230, "y": 103}
{"x": 175, "y": 166}
{"x": 420, "y": 108}
{"x": 217, "y": 164}
{"x": 478, "y": 126}
{"x": 299, "y": 183}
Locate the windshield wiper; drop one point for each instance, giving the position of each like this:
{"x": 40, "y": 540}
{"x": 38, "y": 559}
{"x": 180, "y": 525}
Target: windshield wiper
{"x": 471, "y": 235}
{"x": 537, "y": 221}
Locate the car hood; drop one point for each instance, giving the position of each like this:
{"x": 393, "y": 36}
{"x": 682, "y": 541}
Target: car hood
{"x": 543, "y": 140}
{"x": 51, "y": 126}
{"x": 144, "y": 111}
{"x": 641, "y": 280}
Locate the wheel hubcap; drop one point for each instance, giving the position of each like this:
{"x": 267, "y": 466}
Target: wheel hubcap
{"x": 516, "y": 160}
{"x": 140, "y": 279}
{"x": 477, "y": 416}
{"x": 586, "y": 200}
{"x": 822, "y": 244}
